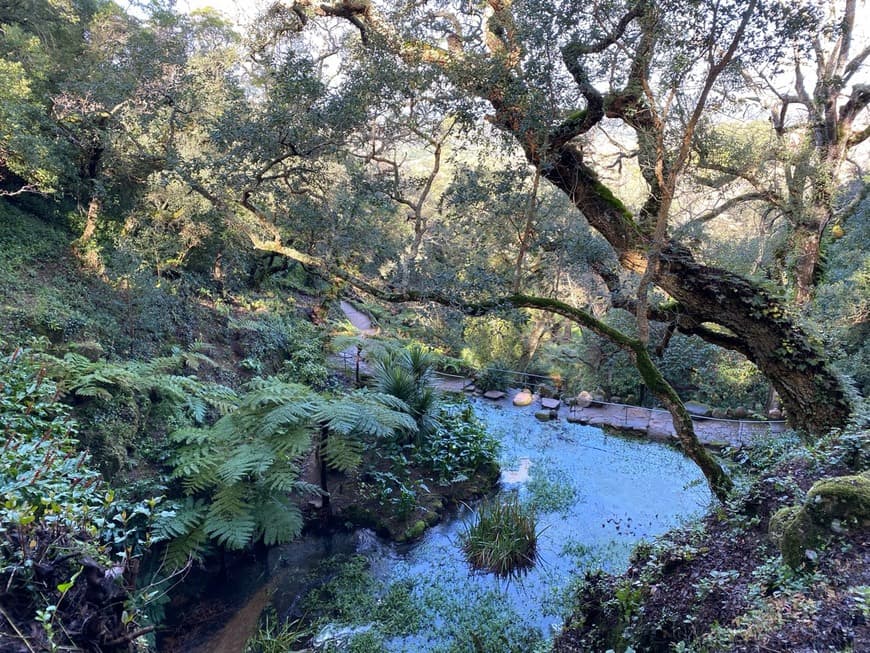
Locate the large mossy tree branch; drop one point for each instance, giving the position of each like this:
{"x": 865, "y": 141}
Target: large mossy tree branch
{"x": 812, "y": 394}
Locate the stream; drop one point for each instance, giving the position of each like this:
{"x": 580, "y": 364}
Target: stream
{"x": 596, "y": 496}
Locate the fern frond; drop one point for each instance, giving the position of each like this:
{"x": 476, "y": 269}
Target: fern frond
{"x": 282, "y": 479}
{"x": 291, "y": 443}
{"x": 194, "y": 545}
{"x": 279, "y": 521}
{"x": 247, "y": 459}
{"x": 180, "y": 520}
{"x": 343, "y": 454}
{"x": 288, "y": 414}
{"x": 190, "y": 435}
{"x": 229, "y": 501}
{"x": 382, "y": 398}
{"x": 304, "y": 489}
{"x": 197, "y": 408}
{"x": 232, "y": 532}
{"x": 93, "y": 391}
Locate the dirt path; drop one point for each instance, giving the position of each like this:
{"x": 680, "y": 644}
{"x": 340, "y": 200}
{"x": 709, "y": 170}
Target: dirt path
{"x": 358, "y": 319}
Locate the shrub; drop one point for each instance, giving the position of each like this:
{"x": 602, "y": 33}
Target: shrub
{"x": 460, "y": 447}
{"x": 504, "y": 539}
{"x": 68, "y": 546}
{"x": 493, "y": 377}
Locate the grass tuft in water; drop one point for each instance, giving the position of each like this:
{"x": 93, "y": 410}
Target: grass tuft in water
{"x": 273, "y": 636}
{"x": 504, "y": 539}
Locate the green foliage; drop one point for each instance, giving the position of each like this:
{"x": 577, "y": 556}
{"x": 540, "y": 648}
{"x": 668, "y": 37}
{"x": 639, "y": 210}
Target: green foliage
{"x": 121, "y": 403}
{"x": 492, "y": 339}
{"x": 355, "y": 421}
{"x": 494, "y": 376}
{"x": 239, "y": 473}
{"x": 56, "y": 512}
{"x": 353, "y": 596}
{"x": 276, "y": 636}
{"x": 841, "y": 308}
{"x": 460, "y": 448}
{"x": 551, "y": 489}
{"x": 281, "y": 343}
{"x": 406, "y": 375}
{"x": 503, "y": 539}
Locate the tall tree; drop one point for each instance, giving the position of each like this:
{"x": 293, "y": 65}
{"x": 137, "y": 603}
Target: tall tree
{"x": 817, "y": 113}
{"x": 551, "y": 72}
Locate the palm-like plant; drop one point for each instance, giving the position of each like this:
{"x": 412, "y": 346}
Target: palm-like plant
{"x": 406, "y": 374}
{"x": 239, "y": 474}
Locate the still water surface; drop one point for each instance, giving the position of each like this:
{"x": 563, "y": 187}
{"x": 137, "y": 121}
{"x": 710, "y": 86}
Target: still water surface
{"x": 597, "y": 495}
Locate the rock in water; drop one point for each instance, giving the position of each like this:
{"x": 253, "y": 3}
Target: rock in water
{"x": 523, "y": 398}
{"x": 583, "y": 400}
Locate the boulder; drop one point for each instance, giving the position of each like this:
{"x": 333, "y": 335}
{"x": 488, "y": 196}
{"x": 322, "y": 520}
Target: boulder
{"x": 799, "y": 531}
{"x": 543, "y": 415}
{"x": 719, "y": 413}
{"x": 698, "y": 409}
{"x": 495, "y": 395}
{"x": 583, "y": 400}
{"x": 550, "y": 404}
{"x": 523, "y": 398}
{"x": 740, "y": 412}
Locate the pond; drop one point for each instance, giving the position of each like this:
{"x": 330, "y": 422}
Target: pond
{"x": 596, "y": 496}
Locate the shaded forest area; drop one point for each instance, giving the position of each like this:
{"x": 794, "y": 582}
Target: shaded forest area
{"x": 657, "y": 202}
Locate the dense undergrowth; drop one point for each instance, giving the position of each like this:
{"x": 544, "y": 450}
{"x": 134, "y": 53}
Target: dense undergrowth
{"x": 214, "y": 405}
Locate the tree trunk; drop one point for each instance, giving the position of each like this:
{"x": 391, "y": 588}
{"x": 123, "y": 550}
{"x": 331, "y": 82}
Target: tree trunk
{"x": 805, "y": 249}
{"x": 719, "y": 482}
{"x": 812, "y": 395}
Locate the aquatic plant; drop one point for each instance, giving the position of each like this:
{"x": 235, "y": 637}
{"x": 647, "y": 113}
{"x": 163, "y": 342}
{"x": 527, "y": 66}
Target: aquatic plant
{"x": 504, "y": 539}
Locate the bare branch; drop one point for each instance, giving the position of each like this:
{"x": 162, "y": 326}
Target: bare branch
{"x": 27, "y": 188}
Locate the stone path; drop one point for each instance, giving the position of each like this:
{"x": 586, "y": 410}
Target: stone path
{"x": 657, "y": 424}
{"x": 358, "y": 319}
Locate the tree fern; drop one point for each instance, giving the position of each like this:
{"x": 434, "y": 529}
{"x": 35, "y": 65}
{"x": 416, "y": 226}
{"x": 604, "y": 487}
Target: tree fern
{"x": 103, "y": 380}
{"x": 356, "y": 419}
{"x": 245, "y": 465}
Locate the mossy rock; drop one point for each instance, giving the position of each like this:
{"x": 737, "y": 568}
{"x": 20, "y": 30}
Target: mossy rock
{"x": 415, "y": 530}
{"x": 841, "y": 497}
{"x": 543, "y": 415}
{"x": 799, "y": 529}
{"x": 794, "y": 532}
